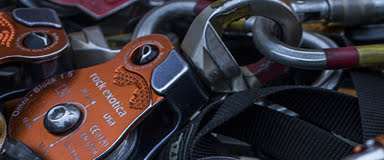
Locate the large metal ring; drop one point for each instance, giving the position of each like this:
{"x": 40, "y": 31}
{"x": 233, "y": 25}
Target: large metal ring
{"x": 280, "y": 52}
{"x": 329, "y": 79}
{"x": 207, "y": 51}
{"x": 151, "y": 19}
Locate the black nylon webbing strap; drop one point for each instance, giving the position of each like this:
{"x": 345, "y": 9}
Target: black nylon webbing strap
{"x": 283, "y": 137}
{"x": 328, "y": 110}
{"x": 299, "y": 134}
{"x": 322, "y": 113}
{"x": 288, "y": 130}
{"x": 179, "y": 143}
{"x": 237, "y": 102}
{"x": 369, "y": 85}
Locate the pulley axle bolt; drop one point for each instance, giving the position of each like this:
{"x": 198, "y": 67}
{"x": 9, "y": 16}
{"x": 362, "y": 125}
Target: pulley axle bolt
{"x": 37, "y": 40}
{"x": 144, "y": 54}
{"x": 62, "y": 118}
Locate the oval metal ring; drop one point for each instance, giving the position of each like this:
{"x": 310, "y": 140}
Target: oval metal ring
{"x": 151, "y": 20}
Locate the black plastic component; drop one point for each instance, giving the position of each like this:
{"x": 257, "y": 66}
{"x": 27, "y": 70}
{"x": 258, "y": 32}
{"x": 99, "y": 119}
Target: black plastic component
{"x": 177, "y": 81}
{"x": 19, "y": 151}
{"x": 9, "y": 75}
{"x": 187, "y": 94}
{"x": 37, "y": 17}
{"x": 155, "y": 130}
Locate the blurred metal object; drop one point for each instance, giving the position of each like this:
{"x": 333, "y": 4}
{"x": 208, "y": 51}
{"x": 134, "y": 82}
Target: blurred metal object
{"x": 347, "y": 12}
{"x": 90, "y": 47}
{"x": 373, "y": 149}
{"x": 33, "y": 48}
{"x": 310, "y": 9}
{"x": 126, "y": 148}
{"x": 62, "y": 11}
{"x": 3, "y": 131}
{"x": 329, "y": 79}
{"x": 155, "y": 3}
{"x": 315, "y": 40}
{"x": 98, "y": 9}
{"x": 206, "y": 50}
{"x": 11, "y": 149}
{"x": 151, "y": 19}
{"x": 368, "y": 34}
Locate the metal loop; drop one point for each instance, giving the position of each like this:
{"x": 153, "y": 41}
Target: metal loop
{"x": 151, "y": 20}
{"x": 278, "y": 51}
{"x": 206, "y": 50}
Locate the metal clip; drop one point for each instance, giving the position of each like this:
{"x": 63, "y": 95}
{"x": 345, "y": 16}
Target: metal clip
{"x": 204, "y": 47}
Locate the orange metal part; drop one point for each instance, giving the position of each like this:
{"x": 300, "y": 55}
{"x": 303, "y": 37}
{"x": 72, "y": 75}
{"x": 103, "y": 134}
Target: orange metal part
{"x": 113, "y": 97}
{"x": 380, "y": 139}
{"x": 12, "y": 34}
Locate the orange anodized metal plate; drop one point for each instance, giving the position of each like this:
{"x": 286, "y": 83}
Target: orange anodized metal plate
{"x": 12, "y": 34}
{"x": 113, "y": 98}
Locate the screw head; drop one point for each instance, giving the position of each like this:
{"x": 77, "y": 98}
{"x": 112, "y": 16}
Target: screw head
{"x": 144, "y": 54}
{"x": 62, "y": 118}
{"x": 37, "y": 40}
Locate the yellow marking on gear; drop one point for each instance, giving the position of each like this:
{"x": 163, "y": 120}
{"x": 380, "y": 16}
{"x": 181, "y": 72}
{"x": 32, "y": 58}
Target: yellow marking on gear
{"x": 237, "y": 25}
{"x": 227, "y": 19}
{"x": 323, "y": 28}
{"x": 218, "y": 3}
{"x": 348, "y": 91}
{"x": 371, "y": 55}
